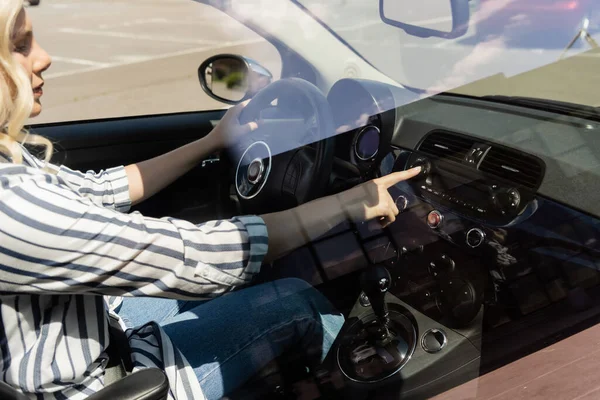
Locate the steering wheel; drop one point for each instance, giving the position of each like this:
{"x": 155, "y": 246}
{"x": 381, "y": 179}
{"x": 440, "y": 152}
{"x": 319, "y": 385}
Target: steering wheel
{"x": 287, "y": 160}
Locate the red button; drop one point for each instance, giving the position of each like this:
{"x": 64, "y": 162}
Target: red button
{"x": 434, "y": 219}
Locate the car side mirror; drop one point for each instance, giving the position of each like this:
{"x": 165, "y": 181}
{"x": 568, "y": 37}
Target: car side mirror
{"x": 447, "y": 19}
{"x": 231, "y": 78}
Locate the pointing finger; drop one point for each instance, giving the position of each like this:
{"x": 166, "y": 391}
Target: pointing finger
{"x": 396, "y": 177}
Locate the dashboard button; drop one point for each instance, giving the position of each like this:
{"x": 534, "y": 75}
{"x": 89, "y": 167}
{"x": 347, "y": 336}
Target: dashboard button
{"x": 514, "y": 197}
{"x": 505, "y": 201}
{"x": 401, "y": 202}
{"x": 434, "y": 340}
{"x": 475, "y": 237}
{"x": 434, "y": 219}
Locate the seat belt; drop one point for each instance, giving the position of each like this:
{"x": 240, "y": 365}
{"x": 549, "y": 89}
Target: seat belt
{"x": 119, "y": 353}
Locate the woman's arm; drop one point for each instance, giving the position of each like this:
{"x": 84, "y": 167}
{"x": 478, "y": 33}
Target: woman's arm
{"x": 119, "y": 188}
{"x": 107, "y": 188}
{"x": 54, "y": 241}
{"x": 293, "y": 228}
{"x": 151, "y": 176}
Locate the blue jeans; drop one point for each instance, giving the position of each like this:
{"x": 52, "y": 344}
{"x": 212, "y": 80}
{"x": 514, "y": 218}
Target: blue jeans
{"x": 228, "y": 339}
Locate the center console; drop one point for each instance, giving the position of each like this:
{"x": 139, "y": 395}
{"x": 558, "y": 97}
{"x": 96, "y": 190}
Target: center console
{"x": 433, "y": 307}
{"x": 490, "y": 258}
{"x": 473, "y": 235}
{"x": 439, "y": 254}
{"x": 491, "y": 183}
{"x": 390, "y": 348}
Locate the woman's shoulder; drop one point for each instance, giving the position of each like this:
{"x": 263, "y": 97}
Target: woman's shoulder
{"x": 28, "y": 159}
{"x": 12, "y": 174}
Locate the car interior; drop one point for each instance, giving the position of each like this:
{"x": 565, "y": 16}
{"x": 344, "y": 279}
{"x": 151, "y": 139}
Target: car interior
{"x": 497, "y": 237}
{"x": 492, "y": 241}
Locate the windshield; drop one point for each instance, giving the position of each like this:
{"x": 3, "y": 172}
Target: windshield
{"x": 535, "y": 48}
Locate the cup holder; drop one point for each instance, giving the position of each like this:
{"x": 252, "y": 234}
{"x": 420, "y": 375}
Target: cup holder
{"x": 362, "y": 359}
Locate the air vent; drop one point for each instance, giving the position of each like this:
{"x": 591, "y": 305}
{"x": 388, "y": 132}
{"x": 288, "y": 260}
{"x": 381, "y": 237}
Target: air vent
{"x": 446, "y": 146}
{"x": 516, "y": 167}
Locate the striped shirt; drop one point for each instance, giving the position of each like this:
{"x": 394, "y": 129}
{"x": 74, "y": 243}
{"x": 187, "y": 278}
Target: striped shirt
{"x": 66, "y": 246}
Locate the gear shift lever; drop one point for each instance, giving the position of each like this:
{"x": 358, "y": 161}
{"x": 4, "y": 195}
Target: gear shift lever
{"x": 375, "y": 282}
{"x": 378, "y": 344}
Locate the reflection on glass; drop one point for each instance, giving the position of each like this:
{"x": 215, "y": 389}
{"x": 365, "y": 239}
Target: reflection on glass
{"x": 257, "y": 79}
{"x": 387, "y": 164}
{"x": 227, "y": 78}
{"x": 430, "y": 14}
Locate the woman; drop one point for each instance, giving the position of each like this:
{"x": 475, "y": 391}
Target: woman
{"x": 66, "y": 246}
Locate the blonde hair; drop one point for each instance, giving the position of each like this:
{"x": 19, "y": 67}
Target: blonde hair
{"x": 16, "y": 94}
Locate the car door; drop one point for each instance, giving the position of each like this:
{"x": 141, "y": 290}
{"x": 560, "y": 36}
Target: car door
{"x": 97, "y": 145}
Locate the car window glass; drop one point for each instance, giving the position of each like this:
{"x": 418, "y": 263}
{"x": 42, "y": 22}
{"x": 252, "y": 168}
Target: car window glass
{"x": 503, "y": 38}
{"x": 117, "y": 59}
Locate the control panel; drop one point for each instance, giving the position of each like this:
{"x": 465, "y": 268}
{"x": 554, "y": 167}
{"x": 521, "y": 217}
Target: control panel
{"x": 467, "y": 191}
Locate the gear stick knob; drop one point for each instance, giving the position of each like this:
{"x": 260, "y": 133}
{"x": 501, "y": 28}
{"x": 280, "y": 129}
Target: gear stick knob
{"x": 375, "y": 281}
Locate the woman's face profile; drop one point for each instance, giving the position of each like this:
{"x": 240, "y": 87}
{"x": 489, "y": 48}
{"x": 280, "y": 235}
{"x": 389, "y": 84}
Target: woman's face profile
{"x": 31, "y": 56}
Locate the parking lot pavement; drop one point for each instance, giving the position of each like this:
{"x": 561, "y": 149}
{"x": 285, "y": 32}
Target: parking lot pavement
{"x": 134, "y": 57}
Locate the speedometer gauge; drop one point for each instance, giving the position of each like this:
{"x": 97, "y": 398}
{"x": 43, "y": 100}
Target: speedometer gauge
{"x": 366, "y": 145}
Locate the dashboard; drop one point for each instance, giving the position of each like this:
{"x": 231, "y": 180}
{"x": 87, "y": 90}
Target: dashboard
{"x": 498, "y": 187}
{"x": 498, "y": 235}
{"x": 497, "y": 239}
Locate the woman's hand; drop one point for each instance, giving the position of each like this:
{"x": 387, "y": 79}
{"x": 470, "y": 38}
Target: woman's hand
{"x": 371, "y": 200}
{"x": 229, "y": 130}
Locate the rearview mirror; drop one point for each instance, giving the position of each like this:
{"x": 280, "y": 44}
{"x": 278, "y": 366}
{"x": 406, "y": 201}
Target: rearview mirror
{"x": 232, "y": 79}
{"x": 426, "y": 18}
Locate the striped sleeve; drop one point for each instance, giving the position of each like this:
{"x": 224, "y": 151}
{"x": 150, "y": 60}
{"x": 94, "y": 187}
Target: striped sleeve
{"x": 107, "y": 188}
{"x": 54, "y": 240}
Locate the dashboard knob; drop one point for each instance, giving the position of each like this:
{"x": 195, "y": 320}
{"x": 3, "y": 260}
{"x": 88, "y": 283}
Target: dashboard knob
{"x": 459, "y": 301}
{"x": 425, "y": 165}
{"x": 505, "y": 200}
{"x": 475, "y": 237}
